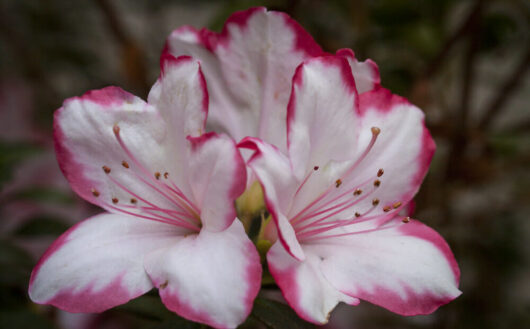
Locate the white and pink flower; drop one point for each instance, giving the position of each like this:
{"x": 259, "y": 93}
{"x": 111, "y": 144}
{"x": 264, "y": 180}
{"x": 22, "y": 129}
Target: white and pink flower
{"x": 353, "y": 162}
{"x": 168, "y": 190}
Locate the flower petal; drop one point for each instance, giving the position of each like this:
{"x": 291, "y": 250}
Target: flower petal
{"x": 211, "y": 278}
{"x": 274, "y": 172}
{"x": 366, "y": 74}
{"x": 321, "y": 114}
{"x": 304, "y": 287}
{"x": 406, "y": 268}
{"x": 218, "y": 177}
{"x": 98, "y": 263}
{"x": 180, "y": 96}
{"x": 248, "y": 67}
{"x": 403, "y": 149}
{"x": 120, "y": 153}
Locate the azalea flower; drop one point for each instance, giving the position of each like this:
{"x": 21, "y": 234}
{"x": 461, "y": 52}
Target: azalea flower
{"x": 249, "y": 67}
{"x": 353, "y": 162}
{"x": 168, "y": 190}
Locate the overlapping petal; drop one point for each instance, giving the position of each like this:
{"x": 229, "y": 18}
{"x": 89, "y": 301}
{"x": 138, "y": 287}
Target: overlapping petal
{"x": 98, "y": 263}
{"x": 212, "y": 277}
{"x": 248, "y": 68}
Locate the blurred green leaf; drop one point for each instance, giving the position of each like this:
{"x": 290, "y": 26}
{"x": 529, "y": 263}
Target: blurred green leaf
{"x": 42, "y": 226}
{"x": 11, "y": 154}
{"x": 275, "y": 315}
{"x": 23, "y": 319}
{"x": 45, "y": 195}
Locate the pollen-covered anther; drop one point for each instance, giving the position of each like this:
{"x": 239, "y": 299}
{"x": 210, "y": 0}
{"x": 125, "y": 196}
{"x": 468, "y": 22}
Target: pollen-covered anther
{"x": 134, "y": 201}
{"x": 377, "y": 183}
{"x": 406, "y": 219}
{"x": 106, "y": 169}
{"x": 315, "y": 168}
{"x": 116, "y": 129}
{"x": 166, "y": 175}
{"x": 338, "y": 183}
{"x": 125, "y": 164}
{"x": 375, "y": 130}
{"x": 95, "y": 192}
{"x": 396, "y": 205}
{"x": 380, "y": 172}
{"x": 357, "y": 214}
{"x": 375, "y": 202}
{"x": 386, "y": 208}
{"x": 157, "y": 175}
{"x": 357, "y": 192}
{"x": 115, "y": 200}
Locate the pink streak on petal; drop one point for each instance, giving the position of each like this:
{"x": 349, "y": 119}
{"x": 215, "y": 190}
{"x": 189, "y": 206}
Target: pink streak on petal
{"x": 304, "y": 41}
{"x": 72, "y": 170}
{"x": 88, "y": 301}
{"x": 414, "y": 304}
{"x": 381, "y": 99}
{"x": 107, "y": 96}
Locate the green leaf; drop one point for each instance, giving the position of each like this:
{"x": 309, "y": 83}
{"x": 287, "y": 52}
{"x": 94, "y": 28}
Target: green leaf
{"x": 275, "y": 315}
{"x": 43, "y": 225}
{"x": 45, "y": 195}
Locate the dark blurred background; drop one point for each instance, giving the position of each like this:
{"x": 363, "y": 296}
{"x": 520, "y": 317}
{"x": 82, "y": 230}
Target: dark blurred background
{"x": 465, "y": 63}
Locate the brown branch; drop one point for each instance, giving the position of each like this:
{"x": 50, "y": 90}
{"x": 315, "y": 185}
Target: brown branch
{"x": 463, "y": 30}
{"x": 133, "y": 60}
{"x": 507, "y": 89}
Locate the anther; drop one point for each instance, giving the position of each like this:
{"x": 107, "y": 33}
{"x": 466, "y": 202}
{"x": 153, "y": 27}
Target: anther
{"x": 406, "y": 219}
{"x": 315, "y": 168}
{"x": 375, "y": 202}
{"x": 116, "y": 129}
{"x": 95, "y": 192}
{"x": 357, "y": 192}
{"x": 338, "y": 183}
{"x": 115, "y": 200}
{"x": 396, "y": 204}
{"x": 134, "y": 201}
{"x": 106, "y": 169}
{"x": 380, "y": 172}
{"x": 157, "y": 175}
{"x": 357, "y": 214}
{"x": 375, "y": 131}
{"x": 386, "y": 208}
{"x": 125, "y": 164}
{"x": 377, "y": 183}
{"x": 166, "y": 175}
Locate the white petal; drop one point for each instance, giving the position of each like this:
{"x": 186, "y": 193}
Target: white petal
{"x": 98, "y": 263}
{"x": 211, "y": 278}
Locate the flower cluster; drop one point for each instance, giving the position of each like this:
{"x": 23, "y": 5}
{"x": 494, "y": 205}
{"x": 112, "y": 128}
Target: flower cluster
{"x": 338, "y": 158}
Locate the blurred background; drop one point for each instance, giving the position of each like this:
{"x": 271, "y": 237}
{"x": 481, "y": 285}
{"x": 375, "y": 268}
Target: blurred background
{"x": 464, "y": 62}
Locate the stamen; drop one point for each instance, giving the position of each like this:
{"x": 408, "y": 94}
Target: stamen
{"x": 357, "y": 192}
{"x": 377, "y": 183}
{"x": 315, "y": 168}
{"x": 125, "y": 164}
{"x": 106, "y": 169}
{"x": 115, "y": 200}
{"x": 134, "y": 201}
{"x": 166, "y": 175}
{"x": 357, "y": 214}
{"x": 95, "y": 192}
{"x": 406, "y": 219}
{"x": 375, "y": 202}
{"x": 116, "y": 129}
{"x": 375, "y": 131}
{"x": 396, "y": 205}
{"x": 386, "y": 208}
{"x": 157, "y": 175}
{"x": 380, "y": 172}
{"x": 338, "y": 183}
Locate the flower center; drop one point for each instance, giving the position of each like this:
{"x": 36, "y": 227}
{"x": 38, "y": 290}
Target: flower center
{"x": 333, "y": 211}
{"x": 182, "y": 212}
